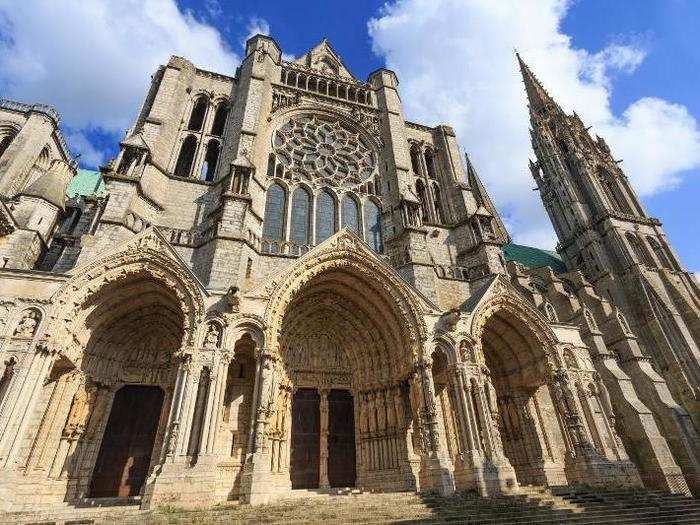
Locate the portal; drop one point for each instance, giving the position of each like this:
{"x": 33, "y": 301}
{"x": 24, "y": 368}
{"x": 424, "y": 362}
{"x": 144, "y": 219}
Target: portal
{"x": 305, "y": 453}
{"x": 127, "y": 445}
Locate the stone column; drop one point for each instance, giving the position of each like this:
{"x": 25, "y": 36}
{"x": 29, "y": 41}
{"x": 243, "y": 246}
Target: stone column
{"x": 583, "y": 462}
{"x": 435, "y": 471}
{"x": 19, "y": 413}
{"x": 257, "y": 483}
{"x": 214, "y": 403}
{"x": 323, "y": 437}
{"x": 170, "y": 442}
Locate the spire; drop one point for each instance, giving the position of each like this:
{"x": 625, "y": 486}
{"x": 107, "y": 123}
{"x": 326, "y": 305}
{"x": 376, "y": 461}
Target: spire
{"x": 537, "y": 96}
{"x": 483, "y": 200}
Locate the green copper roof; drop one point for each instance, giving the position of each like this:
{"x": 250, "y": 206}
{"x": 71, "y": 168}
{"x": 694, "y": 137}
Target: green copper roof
{"x": 533, "y": 257}
{"x": 86, "y": 183}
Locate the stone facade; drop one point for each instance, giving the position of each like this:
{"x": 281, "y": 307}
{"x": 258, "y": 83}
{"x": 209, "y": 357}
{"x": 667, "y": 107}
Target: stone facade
{"x": 282, "y": 266}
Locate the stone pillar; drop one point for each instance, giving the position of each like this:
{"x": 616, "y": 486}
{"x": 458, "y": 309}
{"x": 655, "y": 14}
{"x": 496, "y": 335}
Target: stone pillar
{"x": 170, "y": 441}
{"x": 499, "y": 476}
{"x": 257, "y": 483}
{"x": 323, "y": 437}
{"x": 207, "y": 445}
{"x": 435, "y": 471}
{"x": 583, "y": 462}
{"x": 19, "y": 412}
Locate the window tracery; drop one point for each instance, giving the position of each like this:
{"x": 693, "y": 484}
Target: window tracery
{"x": 323, "y": 152}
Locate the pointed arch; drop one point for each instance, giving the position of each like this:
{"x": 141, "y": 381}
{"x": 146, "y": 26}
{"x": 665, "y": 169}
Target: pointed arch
{"x": 345, "y": 254}
{"x": 199, "y": 110}
{"x": 185, "y": 160}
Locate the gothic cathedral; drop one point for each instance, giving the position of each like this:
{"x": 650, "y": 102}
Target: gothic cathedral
{"x": 280, "y": 283}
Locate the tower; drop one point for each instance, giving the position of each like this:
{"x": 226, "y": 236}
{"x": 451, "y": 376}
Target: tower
{"x": 604, "y": 232}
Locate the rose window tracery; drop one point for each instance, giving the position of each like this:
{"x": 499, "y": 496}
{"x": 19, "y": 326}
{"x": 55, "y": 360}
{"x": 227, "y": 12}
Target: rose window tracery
{"x": 323, "y": 152}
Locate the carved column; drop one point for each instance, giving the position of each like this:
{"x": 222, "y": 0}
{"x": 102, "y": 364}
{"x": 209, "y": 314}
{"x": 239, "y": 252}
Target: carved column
{"x": 323, "y": 437}
{"x": 170, "y": 441}
{"x": 435, "y": 471}
{"x": 19, "y": 413}
{"x": 214, "y": 404}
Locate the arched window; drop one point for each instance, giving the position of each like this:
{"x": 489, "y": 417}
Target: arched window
{"x": 271, "y": 165}
{"x": 44, "y": 160}
{"x": 373, "y": 226}
{"x": 275, "y": 204}
{"x": 5, "y": 142}
{"x": 325, "y": 216}
{"x": 301, "y": 203}
{"x": 638, "y": 249}
{"x": 415, "y": 160}
{"x": 437, "y": 202}
{"x": 430, "y": 164}
{"x": 197, "y": 115}
{"x": 663, "y": 259}
{"x": 420, "y": 190}
{"x": 210, "y": 159}
{"x": 217, "y": 128}
{"x": 351, "y": 214}
{"x": 183, "y": 168}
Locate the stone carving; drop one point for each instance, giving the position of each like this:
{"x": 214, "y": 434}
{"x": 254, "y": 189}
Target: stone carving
{"x": 28, "y": 324}
{"x": 323, "y": 152}
{"x": 212, "y": 339}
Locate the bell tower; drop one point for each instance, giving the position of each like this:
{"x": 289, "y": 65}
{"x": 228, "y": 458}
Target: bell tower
{"x": 604, "y": 232}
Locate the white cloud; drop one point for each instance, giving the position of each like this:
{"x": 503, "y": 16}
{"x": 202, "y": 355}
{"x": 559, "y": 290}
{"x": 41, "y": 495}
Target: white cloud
{"x": 455, "y": 61}
{"x": 256, "y": 26}
{"x": 93, "y": 59}
{"x": 89, "y": 154}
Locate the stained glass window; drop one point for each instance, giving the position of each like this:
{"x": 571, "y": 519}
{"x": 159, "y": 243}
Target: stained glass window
{"x": 325, "y": 216}
{"x": 373, "y": 226}
{"x": 351, "y": 215}
{"x": 275, "y": 203}
{"x": 301, "y": 201}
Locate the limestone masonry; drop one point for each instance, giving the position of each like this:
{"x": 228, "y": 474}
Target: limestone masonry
{"x": 280, "y": 283}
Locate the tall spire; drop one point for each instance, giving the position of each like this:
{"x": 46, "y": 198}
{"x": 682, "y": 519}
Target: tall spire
{"x": 537, "y": 96}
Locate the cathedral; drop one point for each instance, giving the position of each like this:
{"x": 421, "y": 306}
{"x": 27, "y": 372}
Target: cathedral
{"x": 280, "y": 283}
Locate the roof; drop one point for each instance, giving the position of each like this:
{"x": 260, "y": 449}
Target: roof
{"x": 531, "y": 257}
{"x": 86, "y": 183}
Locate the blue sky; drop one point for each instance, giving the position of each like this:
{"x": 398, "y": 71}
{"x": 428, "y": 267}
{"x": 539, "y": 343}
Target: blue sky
{"x": 629, "y": 69}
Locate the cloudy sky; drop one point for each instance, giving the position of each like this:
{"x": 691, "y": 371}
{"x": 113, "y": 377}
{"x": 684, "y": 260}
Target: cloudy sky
{"x": 628, "y": 68}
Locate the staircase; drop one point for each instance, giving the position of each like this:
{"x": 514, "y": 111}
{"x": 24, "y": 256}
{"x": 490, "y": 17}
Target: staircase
{"x": 533, "y": 505}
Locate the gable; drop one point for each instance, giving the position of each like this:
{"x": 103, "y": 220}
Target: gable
{"x": 325, "y": 61}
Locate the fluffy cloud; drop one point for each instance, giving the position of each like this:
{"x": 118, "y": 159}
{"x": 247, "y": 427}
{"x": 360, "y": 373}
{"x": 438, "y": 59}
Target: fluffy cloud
{"x": 455, "y": 60}
{"x": 93, "y": 59}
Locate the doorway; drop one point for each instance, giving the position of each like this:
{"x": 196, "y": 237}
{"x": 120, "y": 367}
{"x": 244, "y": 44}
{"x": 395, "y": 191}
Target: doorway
{"x": 127, "y": 444}
{"x": 306, "y": 429}
{"x": 341, "y": 439}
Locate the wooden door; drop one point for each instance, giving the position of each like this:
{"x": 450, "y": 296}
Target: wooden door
{"x": 341, "y": 439}
{"x": 127, "y": 444}
{"x": 305, "y": 453}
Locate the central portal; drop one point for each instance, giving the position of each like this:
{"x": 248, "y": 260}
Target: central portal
{"x": 323, "y": 439}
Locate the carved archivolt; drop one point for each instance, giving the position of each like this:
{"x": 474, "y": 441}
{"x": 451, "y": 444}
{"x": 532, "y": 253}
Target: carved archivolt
{"x": 144, "y": 259}
{"x": 505, "y": 301}
{"x": 345, "y": 253}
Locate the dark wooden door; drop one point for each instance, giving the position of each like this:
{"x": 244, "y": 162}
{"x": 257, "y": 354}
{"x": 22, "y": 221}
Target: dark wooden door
{"x": 127, "y": 445}
{"x": 341, "y": 439}
{"x": 306, "y": 420}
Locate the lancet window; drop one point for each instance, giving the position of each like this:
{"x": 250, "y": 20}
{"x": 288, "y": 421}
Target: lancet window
{"x": 275, "y": 204}
{"x": 183, "y": 168}
{"x": 325, "y": 216}
{"x": 300, "y": 217}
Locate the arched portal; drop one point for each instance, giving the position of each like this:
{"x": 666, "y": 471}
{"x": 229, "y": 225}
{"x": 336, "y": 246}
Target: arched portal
{"x": 341, "y": 345}
{"x": 346, "y": 336}
{"x": 517, "y": 391}
{"x": 103, "y": 408}
{"x": 135, "y": 326}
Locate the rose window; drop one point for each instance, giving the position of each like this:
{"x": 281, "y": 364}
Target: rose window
{"x": 322, "y": 152}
